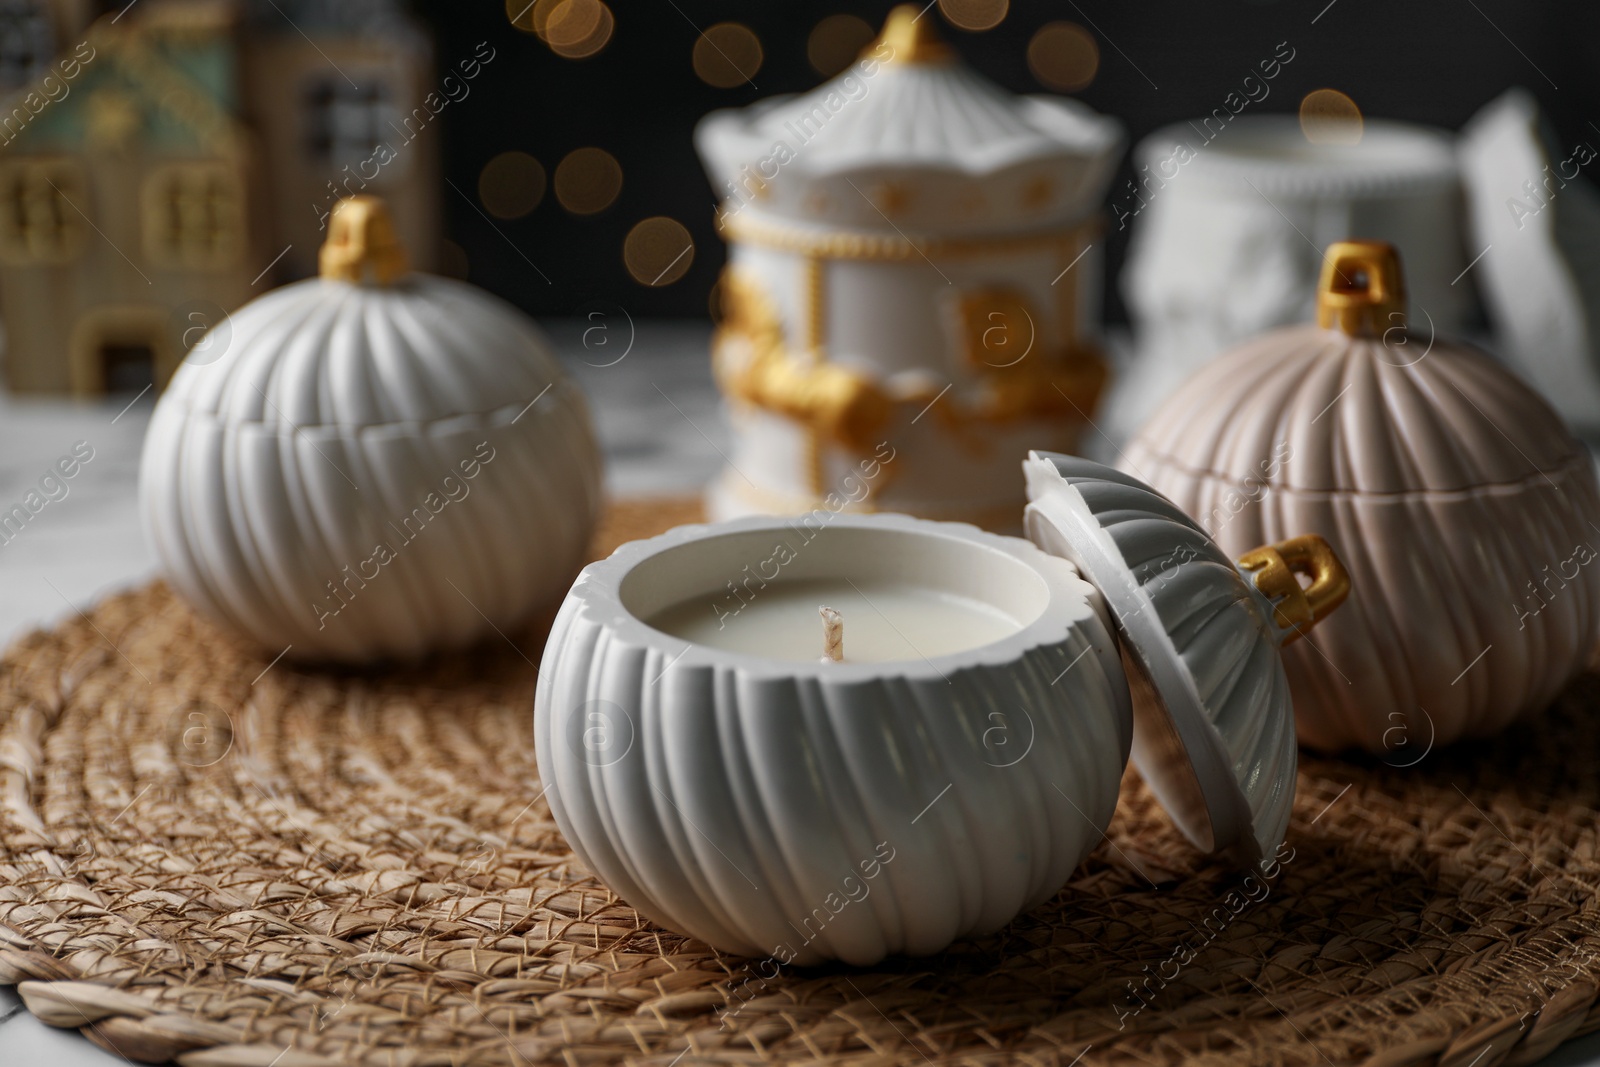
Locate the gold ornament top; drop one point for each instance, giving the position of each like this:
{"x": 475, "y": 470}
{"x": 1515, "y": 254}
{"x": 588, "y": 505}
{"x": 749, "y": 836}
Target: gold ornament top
{"x": 1276, "y": 570}
{"x": 1362, "y": 291}
{"x": 911, "y": 38}
{"x": 362, "y": 245}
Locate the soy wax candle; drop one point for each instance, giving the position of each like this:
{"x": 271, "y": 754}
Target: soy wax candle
{"x": 886, "y": 621}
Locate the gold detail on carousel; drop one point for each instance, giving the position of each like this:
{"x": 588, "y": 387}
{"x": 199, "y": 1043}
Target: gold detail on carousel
{"x": 818, "y": 203}
{"x": 1017, "y": 379}
{"x": 1068, "y": 254}
{"x": 910, "y": 38}
{"x": 998, "y": 327}
{"x": 752, "y": 364}
{"x": 1038, "y": 193}
{"x": 1020, "y": 379}
{"x": 362, "y": 245}
{"x": 838, "y": 405}
{"x": 1276, "y": 572}
{"x": 816, "y": 297}
{"x": 892, "y": 198}
{"x": 892, "y": 247}
{"x": 816, "y": 304}
{"x": 1064, "y": 385}
{"x": 970, "y": 203}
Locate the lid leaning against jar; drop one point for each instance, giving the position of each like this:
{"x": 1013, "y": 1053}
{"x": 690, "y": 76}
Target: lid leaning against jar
{"x": 1214, "y": 732}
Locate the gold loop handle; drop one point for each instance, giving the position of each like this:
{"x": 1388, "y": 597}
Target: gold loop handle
{"x": 1362, "y": 291}
{"x": 1276, "y": 570}
{"x": 362, "y": 245}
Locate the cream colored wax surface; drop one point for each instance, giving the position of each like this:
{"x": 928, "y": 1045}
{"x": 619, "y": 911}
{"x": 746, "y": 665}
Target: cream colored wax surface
{"x": 883, "y": 621}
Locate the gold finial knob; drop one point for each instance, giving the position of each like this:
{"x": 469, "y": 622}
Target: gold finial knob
{"x": 1362, "y": 291}
{"x": 361, "y": 244}
{"x": 1276, "y": 569}
{"x": 911, "y": 38}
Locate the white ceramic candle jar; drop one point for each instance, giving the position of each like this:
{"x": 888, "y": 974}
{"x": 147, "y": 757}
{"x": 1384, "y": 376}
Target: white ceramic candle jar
{"x": 371, "y": 464}
{"x": 773, "y": 804}
{"x": 707, "y": 760}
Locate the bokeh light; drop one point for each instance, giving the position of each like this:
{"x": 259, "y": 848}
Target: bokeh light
{"x": 511, "y": 185}
{"x": 520, "y": 14}
{"x": 975, "y": 15}
{"x": 727, "y": 54}
{"x": 534, "y": 17}
{"x": 1064, "y": 56}
{"x": 658, "y": 251}
{"x": 836, "y": 41}
{"x": 576, "y": 29}
{"x": 588, "y": 181}
{"x": 1328, "y": 116}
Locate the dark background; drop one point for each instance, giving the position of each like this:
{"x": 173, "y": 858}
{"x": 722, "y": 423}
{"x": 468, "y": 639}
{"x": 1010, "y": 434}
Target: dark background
{"x": 1434, "y": 62}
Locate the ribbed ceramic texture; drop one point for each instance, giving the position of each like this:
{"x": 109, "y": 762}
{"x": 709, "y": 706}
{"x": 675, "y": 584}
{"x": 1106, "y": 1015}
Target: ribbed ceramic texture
{"x": 359, "y": 870}
{"x": 923, "y": 120}
{"x": 1467, "y": 517}
{"x": 428, "y": 418}
{"x": 926, "y": 114}
{"x": 1219, "y": 628}
{"x": 741, "y": 804}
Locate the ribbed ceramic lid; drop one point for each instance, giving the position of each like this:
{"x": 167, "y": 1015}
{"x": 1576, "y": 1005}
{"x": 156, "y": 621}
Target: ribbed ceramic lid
{"x": 1374, "y": 404}
{"x": 1213, "y": 722}
{"x": 910, "y": 136}
{"x": 367, "y": 344}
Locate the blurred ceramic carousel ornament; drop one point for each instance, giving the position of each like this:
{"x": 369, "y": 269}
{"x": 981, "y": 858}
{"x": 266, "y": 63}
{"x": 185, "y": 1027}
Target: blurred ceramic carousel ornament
{"x": 912, "y": 273}
{"x": 1468, "y": 516}
{"x": 961, "y": 755}
{"x": 380, "y": 464}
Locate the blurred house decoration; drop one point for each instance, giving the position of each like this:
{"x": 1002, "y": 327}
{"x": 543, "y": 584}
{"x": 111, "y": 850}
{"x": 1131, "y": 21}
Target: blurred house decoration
{"x": 913, "y": 280}
{"x": 167, "y": 162}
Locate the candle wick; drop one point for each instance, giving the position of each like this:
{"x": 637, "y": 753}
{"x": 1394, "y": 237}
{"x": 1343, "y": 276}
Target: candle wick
{"x": 832, "y": 634}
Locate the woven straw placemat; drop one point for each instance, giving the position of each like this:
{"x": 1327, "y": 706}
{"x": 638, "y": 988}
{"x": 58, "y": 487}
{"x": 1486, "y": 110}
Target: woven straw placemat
{"x": 210, "y": 858}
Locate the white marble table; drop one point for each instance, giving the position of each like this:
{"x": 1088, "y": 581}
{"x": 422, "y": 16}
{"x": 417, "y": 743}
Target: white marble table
{"x": 657, "y": 417}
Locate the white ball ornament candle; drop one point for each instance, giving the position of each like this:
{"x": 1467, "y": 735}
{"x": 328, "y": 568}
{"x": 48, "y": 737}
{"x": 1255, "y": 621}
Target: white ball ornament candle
{"x": 730, "y": 781}
{"x": 1465, "y": 510}
{"x": 380, "y": 463}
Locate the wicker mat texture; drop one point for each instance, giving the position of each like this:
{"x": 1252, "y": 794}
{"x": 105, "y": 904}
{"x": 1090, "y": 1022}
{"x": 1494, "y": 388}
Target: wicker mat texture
{"x": 210, "y": 858}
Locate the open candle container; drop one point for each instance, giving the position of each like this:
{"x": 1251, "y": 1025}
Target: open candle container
{"x": 707, "y": 758}
{"x": 901, "y": 591}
